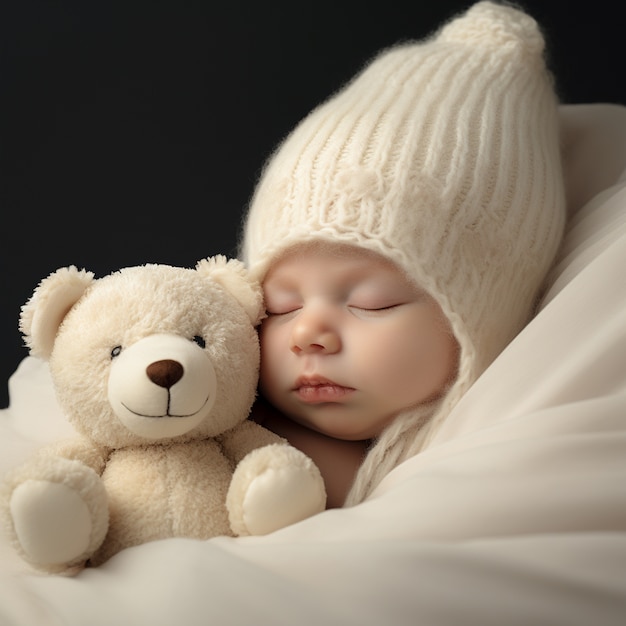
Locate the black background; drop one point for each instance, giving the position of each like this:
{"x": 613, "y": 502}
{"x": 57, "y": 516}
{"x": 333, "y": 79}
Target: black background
{"x": 134, "y": 132}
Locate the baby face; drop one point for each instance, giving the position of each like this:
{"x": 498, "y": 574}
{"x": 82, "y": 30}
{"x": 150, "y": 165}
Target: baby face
{"x": 349, "y": 341}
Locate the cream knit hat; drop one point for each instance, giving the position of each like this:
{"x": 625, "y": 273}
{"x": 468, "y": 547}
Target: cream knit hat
{"x": 443, "y": 156}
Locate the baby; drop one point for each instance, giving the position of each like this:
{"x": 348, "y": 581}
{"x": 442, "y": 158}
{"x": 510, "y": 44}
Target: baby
{"x": 402, "y": 233}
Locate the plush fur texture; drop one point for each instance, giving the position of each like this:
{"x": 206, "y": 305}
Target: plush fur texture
{"x": 156, "y": 368}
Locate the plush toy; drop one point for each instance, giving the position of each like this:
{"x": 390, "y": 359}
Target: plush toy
{"x": 156, "y": 368}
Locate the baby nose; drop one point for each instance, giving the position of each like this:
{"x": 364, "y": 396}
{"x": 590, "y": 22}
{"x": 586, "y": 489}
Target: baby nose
{"x": 310, "y": 334}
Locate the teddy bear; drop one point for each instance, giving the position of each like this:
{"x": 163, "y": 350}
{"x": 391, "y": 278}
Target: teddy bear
{"x": 156, "y": 368}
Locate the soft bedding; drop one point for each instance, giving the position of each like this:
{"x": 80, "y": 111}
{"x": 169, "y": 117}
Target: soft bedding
{"x": 515, "y": 514}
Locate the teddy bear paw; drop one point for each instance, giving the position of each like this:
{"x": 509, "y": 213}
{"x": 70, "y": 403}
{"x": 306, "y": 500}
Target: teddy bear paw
{"x": 56, "y": 525}
{"x": 273, "y": 487}
{"x": 51, "y": 521}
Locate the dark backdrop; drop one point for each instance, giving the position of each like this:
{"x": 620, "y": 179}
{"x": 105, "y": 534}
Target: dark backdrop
{"x": 133, "y": 132}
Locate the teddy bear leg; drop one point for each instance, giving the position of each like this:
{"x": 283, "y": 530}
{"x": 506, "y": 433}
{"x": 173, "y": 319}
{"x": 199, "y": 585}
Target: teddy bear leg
{"x": 56, "y": 522}
{"x": 273, "y": 487}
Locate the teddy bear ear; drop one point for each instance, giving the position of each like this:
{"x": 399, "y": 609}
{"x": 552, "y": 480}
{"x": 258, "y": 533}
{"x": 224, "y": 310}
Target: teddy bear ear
{"x": 233, "y": 276}
{"x": 52, "y": 299}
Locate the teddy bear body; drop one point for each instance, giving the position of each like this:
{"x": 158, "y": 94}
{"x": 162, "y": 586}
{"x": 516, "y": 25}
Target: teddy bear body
{"x": 148, "y": 484}
{"x": 156, "y": 368}
{"x": 169, "y": 490}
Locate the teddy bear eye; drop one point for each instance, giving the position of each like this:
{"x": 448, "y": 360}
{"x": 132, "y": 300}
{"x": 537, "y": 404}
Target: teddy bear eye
{"x": 200, "y": 341}
{"x": 116, "y": 351}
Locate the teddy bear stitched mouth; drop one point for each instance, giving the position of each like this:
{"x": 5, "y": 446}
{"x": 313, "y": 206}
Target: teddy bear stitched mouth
{"x": 168, "y": 414}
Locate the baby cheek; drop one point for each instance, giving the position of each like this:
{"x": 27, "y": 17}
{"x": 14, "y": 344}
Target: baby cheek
{"x": 436, "y": 358}
{"x": 418, "y": 362}
{"x": 275, "y": 343}
{"x": 270, "y": 377}
{"x": 271, "y": 337}
{"x": 384, "y": 357}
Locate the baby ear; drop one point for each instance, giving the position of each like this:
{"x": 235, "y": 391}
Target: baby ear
{"x": 233, "y": 276}
{"x": 42, "y": 315}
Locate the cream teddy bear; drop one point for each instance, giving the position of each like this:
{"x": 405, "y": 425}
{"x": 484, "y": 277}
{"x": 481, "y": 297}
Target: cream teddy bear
{"x": 156, "y": 368}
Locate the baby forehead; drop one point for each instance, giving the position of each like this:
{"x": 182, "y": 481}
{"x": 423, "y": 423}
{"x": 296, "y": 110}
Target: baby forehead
{"x": 332, "y": 261}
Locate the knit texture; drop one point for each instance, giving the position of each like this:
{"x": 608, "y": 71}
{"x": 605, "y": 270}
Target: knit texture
{"x": 443, "y": 156}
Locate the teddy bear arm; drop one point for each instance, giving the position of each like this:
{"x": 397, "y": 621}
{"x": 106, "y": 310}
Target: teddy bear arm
{"x": 81, "y": 450}
{"x": 248, "y": 436}
{"x": 54, "y": 507}
{"x": 273, "y": 485}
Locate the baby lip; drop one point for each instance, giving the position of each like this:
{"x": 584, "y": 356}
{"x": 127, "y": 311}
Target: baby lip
{"x": 314, "y": 381}
{"x": 321, "y": 391}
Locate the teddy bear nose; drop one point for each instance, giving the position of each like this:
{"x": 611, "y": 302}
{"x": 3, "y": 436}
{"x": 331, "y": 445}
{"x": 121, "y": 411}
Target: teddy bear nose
{"x": 165, "y": 373}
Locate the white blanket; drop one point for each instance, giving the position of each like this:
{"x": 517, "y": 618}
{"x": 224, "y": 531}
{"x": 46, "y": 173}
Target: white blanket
{"x": 515, "y": 515}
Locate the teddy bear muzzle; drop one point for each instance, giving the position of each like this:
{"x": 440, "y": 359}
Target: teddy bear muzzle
{"x": 162, "y": 386}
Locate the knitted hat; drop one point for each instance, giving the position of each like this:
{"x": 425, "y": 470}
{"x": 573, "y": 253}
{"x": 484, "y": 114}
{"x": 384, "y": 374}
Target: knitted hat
{"x": 443, "y": 156}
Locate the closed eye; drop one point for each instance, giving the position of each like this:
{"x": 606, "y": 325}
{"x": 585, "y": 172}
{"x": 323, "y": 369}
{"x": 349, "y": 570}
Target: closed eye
{"x": 386, "y": 307}
{"x": 281, "y": 313}
{"x": 373, "y": 311}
